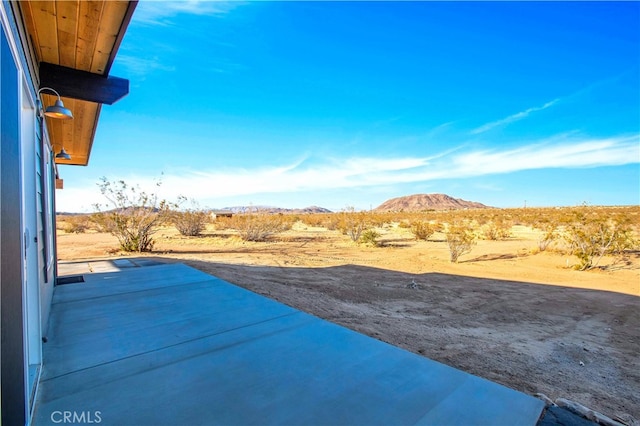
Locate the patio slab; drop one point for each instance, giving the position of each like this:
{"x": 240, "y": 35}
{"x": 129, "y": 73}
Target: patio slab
{"x": 172, "y": 345}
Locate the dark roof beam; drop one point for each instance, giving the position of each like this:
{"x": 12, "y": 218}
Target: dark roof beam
{"x": 83, "y": 85}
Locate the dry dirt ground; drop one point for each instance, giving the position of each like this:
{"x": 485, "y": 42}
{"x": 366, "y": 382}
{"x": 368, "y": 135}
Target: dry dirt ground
{"x": 526, "y": 320}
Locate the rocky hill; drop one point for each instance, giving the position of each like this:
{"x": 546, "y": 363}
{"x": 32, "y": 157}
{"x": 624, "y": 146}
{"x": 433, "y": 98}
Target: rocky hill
{"x": 420, "y": 202}
{"x": 270, "y": 209}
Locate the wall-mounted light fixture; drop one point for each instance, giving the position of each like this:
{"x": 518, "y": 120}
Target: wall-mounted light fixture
{"x": 56, "y": 110}
{"x": 63, "y": 155}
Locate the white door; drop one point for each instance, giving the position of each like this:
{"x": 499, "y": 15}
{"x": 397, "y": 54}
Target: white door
{"x": 31, "y": 286}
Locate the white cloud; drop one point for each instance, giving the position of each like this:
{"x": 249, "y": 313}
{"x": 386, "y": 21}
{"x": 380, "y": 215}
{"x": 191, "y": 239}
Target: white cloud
{"x": 512, "y": 118}
{"x": 334, "y": 174}
{"x": 586, "y": 153}
{"x": 160, "y": 12}
{"x": 142, "y": 66}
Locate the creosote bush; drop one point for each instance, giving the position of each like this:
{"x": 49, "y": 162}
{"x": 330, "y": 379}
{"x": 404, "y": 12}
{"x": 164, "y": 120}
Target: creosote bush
{"x": 259, "y": 226}
{"x": 133, "y": 215}
{"x": 353, "y": 223}
{"x": 590, "y": 240}
{"x": 496, "y": 230}
{"x": 190, "y": 222}
{"x": 370, "y": 237}
{"x": 549, "y": 235}
{"x": 76, "y": 224}
{"x": 460, "y": 238}
{"x": 423, "y": 230}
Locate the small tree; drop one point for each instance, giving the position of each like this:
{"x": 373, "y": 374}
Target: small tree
{"x": 190, "y": 222}
{"x": 460, "y": 239}
{"x": 134, "y": 215}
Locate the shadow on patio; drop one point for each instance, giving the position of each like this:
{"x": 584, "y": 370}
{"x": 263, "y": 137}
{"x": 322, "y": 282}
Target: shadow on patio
{"x": 150, "y": 344}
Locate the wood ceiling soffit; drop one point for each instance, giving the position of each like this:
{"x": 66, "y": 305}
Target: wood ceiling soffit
{"x": 81, "y": 35}
{"x": 44, "y": 25}
{"x": 91, "y": 12}
{"x": 67, "y": 20}
{"x": 107, "y": 40}
{"x": 77, "y": 34}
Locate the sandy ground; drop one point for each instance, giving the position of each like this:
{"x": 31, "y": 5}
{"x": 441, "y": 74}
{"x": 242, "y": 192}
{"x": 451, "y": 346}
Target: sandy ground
{"x": 526, "y": 320}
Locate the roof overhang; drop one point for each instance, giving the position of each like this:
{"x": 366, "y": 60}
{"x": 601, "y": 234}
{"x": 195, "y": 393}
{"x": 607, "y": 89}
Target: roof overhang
{"x": 74, "y": 44}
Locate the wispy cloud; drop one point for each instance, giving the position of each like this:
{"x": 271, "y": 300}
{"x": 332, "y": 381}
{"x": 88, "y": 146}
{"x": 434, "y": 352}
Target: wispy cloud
{"x": 312, "y": 174}
{"x": 510, "y": 119}
{"x": 551, "y": 154}
{"x": 142, "y": 66}
{"x": 160, "y": 12}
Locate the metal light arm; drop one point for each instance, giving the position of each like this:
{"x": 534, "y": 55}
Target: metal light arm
{"x": 57, "y": 110}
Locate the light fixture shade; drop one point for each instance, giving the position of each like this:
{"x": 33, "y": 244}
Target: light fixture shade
{"x": 63, "y": 155}
{"x": 58, "y": 111}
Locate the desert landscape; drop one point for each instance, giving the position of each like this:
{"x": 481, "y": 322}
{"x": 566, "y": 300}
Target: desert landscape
{"x": 514, "y": 309}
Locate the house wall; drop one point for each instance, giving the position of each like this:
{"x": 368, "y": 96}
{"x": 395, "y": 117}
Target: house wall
{"x": 27, "y": 251}
{"x": 14, "y": 402}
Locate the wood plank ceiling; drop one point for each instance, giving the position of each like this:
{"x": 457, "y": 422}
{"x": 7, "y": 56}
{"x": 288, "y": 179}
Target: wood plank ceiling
{"x": 83, "y": 35}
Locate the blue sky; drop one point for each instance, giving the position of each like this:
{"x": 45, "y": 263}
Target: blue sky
{"x": 340, "y": 104}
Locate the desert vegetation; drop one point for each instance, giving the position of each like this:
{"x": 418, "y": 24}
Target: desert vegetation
{"x": 589, "y": 233}
{"x": 189, "y": 221}
{"x": 547, "y": 303}
{"x": 256, "y": 225}
{"x": 131, "y": 215}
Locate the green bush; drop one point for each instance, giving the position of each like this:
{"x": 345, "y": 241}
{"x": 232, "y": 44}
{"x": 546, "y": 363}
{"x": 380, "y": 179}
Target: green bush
{"x": 370, "y": 237}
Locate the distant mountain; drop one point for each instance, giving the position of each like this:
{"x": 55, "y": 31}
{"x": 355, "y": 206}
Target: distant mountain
{"x": 270, "y": 209}
{"x": 420, "y": 202}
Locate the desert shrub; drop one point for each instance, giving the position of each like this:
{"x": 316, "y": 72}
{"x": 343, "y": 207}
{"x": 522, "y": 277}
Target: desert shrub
{"x": 422, "y": 230}
{"x": 76, "y": 224}
{"x": 191, "y": 221}
{"x": 378, "y": 219}
{"x": 496, "y": 230}
{"x": 404, "y": 224}
{"x": 322, "y": 220}
{"x": 353, "y": 223}
{"x": 223, "y": 222}
{"x": 259, "y": 226}
{"x": 549, "y": 235}
{"x": 319, "y": 220}
{"x": 590, "y": 240}
{"x": 370, "y": 237}
{"x": 134, "y": 215}
{"x": 460, "y": 238}
{"x": 331, "y": 222}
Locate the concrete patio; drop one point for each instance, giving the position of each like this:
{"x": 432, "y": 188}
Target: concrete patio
{"x": 149, "y": 344}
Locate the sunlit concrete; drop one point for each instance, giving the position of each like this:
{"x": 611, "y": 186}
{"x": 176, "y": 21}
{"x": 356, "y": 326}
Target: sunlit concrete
{"x": 171, "y": 345}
